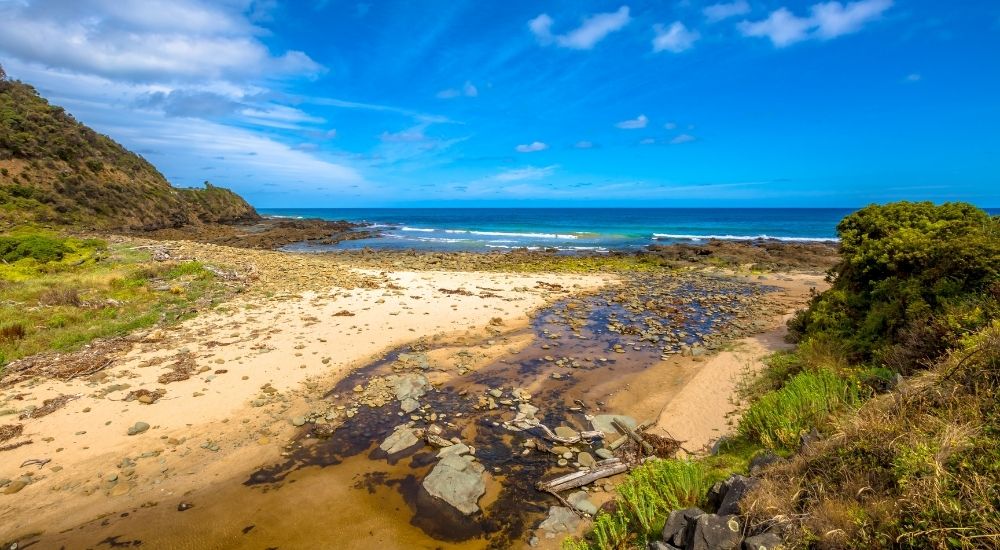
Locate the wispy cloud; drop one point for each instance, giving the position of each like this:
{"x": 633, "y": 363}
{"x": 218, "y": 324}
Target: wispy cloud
{"x": 670, "y": 125}
{"x": 526, "y": 173}
{"x": 584, "y": 144}
{"x": 826, "y": 21}
{"x": 718, "y": 12}
{"x": 633, "y": 123}
{"x": 468, "y": 90}
{"x": 683, "y": 138}
{"x": 592, "y": 30}
{"x": 531, "y": 147}
{"x": 913, "y": 77}
{"x": 675, "y": 38}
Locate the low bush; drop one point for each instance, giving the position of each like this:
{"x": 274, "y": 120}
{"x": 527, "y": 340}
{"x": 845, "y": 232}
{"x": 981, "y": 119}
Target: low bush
{"x": 38, "y": 247}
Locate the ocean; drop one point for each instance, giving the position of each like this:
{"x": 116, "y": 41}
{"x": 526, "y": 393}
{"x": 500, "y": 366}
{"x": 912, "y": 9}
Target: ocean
{"x": 569, "y": 229}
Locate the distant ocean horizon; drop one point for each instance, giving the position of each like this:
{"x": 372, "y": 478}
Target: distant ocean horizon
{"x": 569, "y": 229}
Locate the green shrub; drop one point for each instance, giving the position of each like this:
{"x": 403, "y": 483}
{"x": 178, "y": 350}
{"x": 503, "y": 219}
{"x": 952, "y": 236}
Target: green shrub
{"x": 41, "y": 248}
{"x": 903, "y": 265}
{"x": 778, "y": 418}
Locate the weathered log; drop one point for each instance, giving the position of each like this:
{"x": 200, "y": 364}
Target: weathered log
{"x": 633, "y": 436}
{"x": 587, "y": 478}
{"x": 551, "y": 436}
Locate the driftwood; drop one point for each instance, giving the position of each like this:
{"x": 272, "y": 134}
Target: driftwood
{"x": 551, "y": 436}
{"x": 633, "y": 436}
{"x": 579, "y": 479}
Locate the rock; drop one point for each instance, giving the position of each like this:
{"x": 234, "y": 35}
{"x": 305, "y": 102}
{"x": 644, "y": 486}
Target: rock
{"x": 138, "y": 428}
{"x": 660, "y": 545}
{"x": 120, "y": 489}
{"x": 737, "y": 486}
{"x": 566, "y": 432}
{"x": 560, "y": 520}
{"x": 457, "y": 481}
{"x": 763, "y": 460}
{"x": 604, "y": 454}
{"x": 184, "y": 506}
{"x": 808, "y": 439}
{"x": 675, "y": 530}
{"x": 437, "y": 440}
{"x": 580, "y": 501}
{"x": 766, "y": 541}
{"x": 298, "y": 421}
{"x": 409, "y": 386}
{"x": 323, "y": 431}
{"x": 401, "y": 439}
{"x": 409, "y": 405}
{"x": 496, "y": 393}
{"x": 714, "y": 532}
{"x": 15, "y": 486}
{"x": 585, "y": 459}
{"x": 602, "y": 423}
{"x": 456, "y": 449}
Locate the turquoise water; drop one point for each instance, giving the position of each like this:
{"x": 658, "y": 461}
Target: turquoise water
{"x": 571, "y": 229}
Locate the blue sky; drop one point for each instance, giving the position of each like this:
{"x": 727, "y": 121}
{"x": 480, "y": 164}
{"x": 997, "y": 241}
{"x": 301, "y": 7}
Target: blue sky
{"x": 332, "y": 103}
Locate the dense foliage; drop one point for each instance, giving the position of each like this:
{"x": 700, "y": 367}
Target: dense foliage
{"x": 911, "y": 279}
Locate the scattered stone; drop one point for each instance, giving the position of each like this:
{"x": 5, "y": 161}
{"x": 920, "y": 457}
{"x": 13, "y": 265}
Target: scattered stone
{"x": 138, "y": 428}
{"x": 184, "y": 506}
{"x": 457, "y": 481}
{"x": 580, "y": 501}
{"x": 401, "y": 439}
{"x": 604, "y": 454}
{"x": 455, "y": 449}
{"x": 585, "y": 459}
{"x": 566, "y": 432}
{"x": 560, "y": 520}
{"x": 298, "y": 421}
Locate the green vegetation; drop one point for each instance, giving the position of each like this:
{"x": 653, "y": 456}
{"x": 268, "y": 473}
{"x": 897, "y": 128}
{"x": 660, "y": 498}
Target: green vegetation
{"x": 916, "y": 292}
{"x": 59, "y": 293}
{"x": 778, "y": 419}
{"x": 58, "y": 172}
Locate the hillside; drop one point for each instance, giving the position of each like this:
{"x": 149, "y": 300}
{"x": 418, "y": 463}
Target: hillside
{"x": 56, "y": 171}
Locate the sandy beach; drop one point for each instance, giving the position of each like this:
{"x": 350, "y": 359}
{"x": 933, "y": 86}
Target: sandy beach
{"x": 185, "y": 413}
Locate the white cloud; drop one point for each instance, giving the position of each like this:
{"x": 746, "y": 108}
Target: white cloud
{"x": 592, "y": 30}
{"x": 584, "y": 144}
{"x": 468, "y": 90}
{"x": 144, "y": 41}
{"x": 647, "y": 141}
{"x": 675, "y": 38}
{"x": 913, "y": 77}
{"x": 527, "y": 173}
{"x": 633, "y": 123}
{"x": 670, "y": 125}
{"x": 718, "y": 12}
{"x": 531, "y": 147}
{"x": 683, "y": 138}
{"x": 826, "y": 21}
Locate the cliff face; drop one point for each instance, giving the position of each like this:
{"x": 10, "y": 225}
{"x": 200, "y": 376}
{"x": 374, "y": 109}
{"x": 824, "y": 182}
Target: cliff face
{"x": 56, "y": 171}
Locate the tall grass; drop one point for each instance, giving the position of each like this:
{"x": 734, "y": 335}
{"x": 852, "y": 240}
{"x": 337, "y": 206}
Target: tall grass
{"x": 778, "y": 418}
{"x": 645, "y": 499}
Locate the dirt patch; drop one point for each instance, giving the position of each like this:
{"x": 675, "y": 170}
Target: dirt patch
{"x": 182, "y": 369}
{"x": 146, "y": 397}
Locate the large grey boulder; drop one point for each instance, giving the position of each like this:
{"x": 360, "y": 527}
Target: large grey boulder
{"x": 714, "y": 532}
{"x": 458, "y": 481}
{"x": 737, "y": 486}
{"x": 766, "y": 541}
{"x": 675, "y": 529}
{"x": 408, "y": 389}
